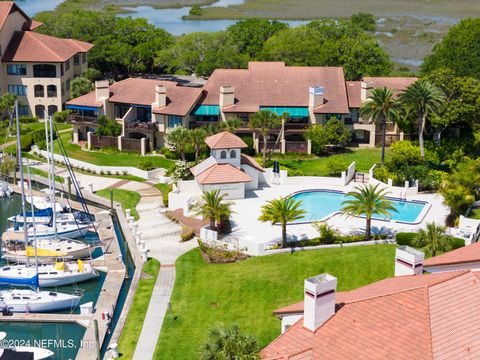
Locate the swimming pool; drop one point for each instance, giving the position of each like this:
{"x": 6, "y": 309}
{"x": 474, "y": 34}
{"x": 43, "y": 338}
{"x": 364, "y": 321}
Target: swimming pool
{"x": 321, "y": 204}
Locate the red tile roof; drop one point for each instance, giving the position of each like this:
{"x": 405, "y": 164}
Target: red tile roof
{"x": 466, "y": 254}
{"x": 354, "y": 93}
{"x": 180, "y": 99}
{"x": 248, "y": 160}
{"x": 397, "y": 84}
{"x": 8, "y": 7}
{"x": 225, "y": 140}
{"x": 29, "y": 46}
{"x": 410, "y": 317}
{"x": 222, "y": 174}
{"x": 274, "y": 84}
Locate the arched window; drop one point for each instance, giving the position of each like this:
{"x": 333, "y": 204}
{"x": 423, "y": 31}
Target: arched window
{"x": 233, "y": 154}
{"x": 51, "y": 91}
{"x": 39, "y": 91}
{"x": 52, "y": 109}
{"x": 40, "y": 111}
{"x": 223, "y": 154}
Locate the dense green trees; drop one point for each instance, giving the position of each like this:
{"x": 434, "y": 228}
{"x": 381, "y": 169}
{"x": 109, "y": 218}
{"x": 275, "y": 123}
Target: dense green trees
{"x": 264, "y": 121}
{"x": 80, "y": 86}
{"x": 108, "y": 127}
{"x": 333, "y": 132}
{"x": 459, "y": 50}
{"x": 433, "y": 239}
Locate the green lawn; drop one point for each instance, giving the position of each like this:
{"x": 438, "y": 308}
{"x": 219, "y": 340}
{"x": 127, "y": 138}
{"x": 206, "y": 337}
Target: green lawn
{"x": 103, "y": 158}
{"x": 138, "y": 310}
{"x": 39, "y": 172}
{"x": 364, "y": 159}
{"x": 165, "y": 189}
{"x": 128, "y": 199}
{"x": 475, "y": 213}
{"x": 247, "y": 292}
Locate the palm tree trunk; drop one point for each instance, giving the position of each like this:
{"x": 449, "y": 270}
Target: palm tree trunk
{"x": 264, "y": 158}
{"x": 437, "y": 134}
{"x": 368, "y": 232}
{"x": 383, "y": 127}
{"x": 212, "y": 223}
{"x": 182, "y": 155}
{"x": 196, "y": 153}
{"x": 284, "y": 235}
{"x": 421, "y": 128}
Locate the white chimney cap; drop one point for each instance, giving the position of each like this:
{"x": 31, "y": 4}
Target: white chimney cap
{"x": 411, "y": 255}
{"x": 321, "y": 283}
{"x": 317, "y": 90}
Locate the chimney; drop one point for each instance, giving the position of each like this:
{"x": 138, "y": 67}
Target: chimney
{"x": 160, "y": 96}
{"x": 315, "y": 97}
{"x": 102, "y": 90}
{"x": 227, "y": 96}
{"x": 319, "y": 301}
{"x": 408, "y": 261}
{"x": 365, "y": 86}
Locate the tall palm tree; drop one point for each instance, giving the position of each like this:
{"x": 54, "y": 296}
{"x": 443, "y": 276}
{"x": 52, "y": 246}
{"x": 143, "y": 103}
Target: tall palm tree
{"x": 178, "y": 138}
{"x": 433, "y": 239}
{"x": 197, "y": 138}
{"x": 228, "y": 343}
{"x": 283, "y": 211}
{"x": 367, "y": 200}
{"x": 382, "y": 108}
{"x": 264, "y": 120}
{"x": 425, "y": 98}
{"x": 213, "y": 208}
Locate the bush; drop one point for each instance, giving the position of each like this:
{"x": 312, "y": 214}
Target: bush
{"x": 26, "y": 142}
{"x": 146, "y": 164}
{"x": 364, "y": 20}
{"x": 187, "y": 233}
{"x": 195, "y": 10}
{"x": 247, "y": 139}
{"x": 108, "y": 127}
{"x": 408, "y": 239}
{"x": 28, "y": 119}
{"x": 381, "y": 173}
{"x": 336, "y": 165}
{"x": 294, "y": 172}
{"x": 217, "y": 254}
{"x": 61, "y": 116}
{"x": 328, "y": 235}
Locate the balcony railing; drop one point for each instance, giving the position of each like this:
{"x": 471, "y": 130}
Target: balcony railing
{"x": 80, "y": 120}
{"x": 142, "y": 126}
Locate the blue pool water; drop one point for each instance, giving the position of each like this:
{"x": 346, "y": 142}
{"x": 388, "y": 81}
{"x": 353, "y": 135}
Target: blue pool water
{"x": 319, "y": 204}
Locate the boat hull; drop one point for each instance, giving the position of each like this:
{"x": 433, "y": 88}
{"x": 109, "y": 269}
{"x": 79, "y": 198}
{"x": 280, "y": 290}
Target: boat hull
{"x": 29, "y": 301}
{"x": 19, "y": 257}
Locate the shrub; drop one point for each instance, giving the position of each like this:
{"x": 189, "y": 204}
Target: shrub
{"x": 108, "y": 127}
{"x": 217, "y": 254}
{"x": 336, "y": 165}
{"x": 328, "y": 235}
{"x": 381, "y": 173}
{"x": 26, "y": 142}
{"x": 195, "y": 10}
{"x": 28, "y": 119}
{"x": 146, "y": 164}
{"x": 294, "y": 172}
{"x": 187, "y": 233}
{"x": 61, "y": 116}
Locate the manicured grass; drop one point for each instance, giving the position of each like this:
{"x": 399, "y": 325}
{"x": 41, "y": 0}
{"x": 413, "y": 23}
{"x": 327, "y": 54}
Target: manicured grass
{"x": 133, "y": 326}
{"x": 364, "y": 158}
{"x": 39, "y": 172}
{"x": 165, "y": 189}
{"x": 475, "y": 213}
{"x": 128, "y": 199}
{"x": 102, "y": 158}
{"x": 247, "y": 292}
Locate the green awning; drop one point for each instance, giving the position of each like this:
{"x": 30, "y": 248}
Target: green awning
{"x": 293, "y": 111}
{"x": 207, "y": 110}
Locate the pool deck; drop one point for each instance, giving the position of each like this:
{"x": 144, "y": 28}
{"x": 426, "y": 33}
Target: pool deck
{"x": 246, "y": 213}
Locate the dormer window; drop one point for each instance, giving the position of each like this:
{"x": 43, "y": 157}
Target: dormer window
{"x": 233, "y": 154}
{"x": 223, "y": 154}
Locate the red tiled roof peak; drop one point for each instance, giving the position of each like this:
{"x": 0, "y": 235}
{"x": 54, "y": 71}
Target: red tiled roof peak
{"x": 225, "y": 140}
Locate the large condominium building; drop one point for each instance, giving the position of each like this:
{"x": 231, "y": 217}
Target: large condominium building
{"x": 38, "y": 68}
{"x": 309, "y": 95}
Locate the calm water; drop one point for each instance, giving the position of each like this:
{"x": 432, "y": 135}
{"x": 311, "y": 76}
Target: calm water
{"x": 32, "y": 7}
{"x": 320, "y": 204}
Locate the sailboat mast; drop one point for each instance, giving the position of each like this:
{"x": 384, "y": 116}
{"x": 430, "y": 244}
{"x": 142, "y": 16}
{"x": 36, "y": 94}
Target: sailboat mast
{"x": 22, "y": 184}
{"x": 52, "y": 164}
{"x": 33, "y": 219}
{"x": 47, "y": 142}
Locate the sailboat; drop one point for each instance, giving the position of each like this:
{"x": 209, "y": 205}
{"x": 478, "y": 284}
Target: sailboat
{"x": 25, "y": 300}
{"x": 45, "y": 217}
{"x": 17, "y": 352}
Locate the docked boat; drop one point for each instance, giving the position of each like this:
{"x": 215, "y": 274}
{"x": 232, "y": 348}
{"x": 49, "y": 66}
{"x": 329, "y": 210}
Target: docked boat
{"x": 49, "y": 275}
{"x": 44, "y": 217}
{"x": 31, "y": 301}
{"x": 23, "y": 352}
{"x": 43, "y": 231}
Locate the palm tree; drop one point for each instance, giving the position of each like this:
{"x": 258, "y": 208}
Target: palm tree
{"x": 264, "y": 120}
{"x": 425, "y": 98}
{"x": 433, "y": 239}
{"x": 367, "y": 200}
{"x": 213, "y": 208}
{"x": 230, "y": 125}
{"x": 381, "y": 108}
{"x": 228, "y": 343}
{"x": 283, "y": 211}
{"x": 178, "y": 138}
{"x": 197, "y": 138}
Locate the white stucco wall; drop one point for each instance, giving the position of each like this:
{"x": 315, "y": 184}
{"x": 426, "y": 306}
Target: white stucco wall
{"x": 235, "y": 161}
{"x": 289, "y": 320}
{"x": 231, "y": 191}
{"x": 253, "y": 173}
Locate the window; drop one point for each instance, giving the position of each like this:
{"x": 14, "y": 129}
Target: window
{"x": 76, "y": 59}
{"x": 121, "y": 110}
{"x": 233, "y": 154}
{"x": 245, "y": 117}
{"x": 44, "y": 70}
{"x": 52, "y": 109}
{"x": 61, "y": 70}
{"x": 40, "y": 111}
{"x": 16, "y": 69}
{"x": 23, "y": 110}
{"x": 223, "y": 154}
{"x": 20, "y": 90}
{"x": 51, "y": 91}
{"x": 174, "y": 121}
{"x": 144, "y": 114}
{"x": 39, "y": 90}
{"x": 84, "y": 58}
{"x": 67, "y": 86}
{"x": 67, "y": 65}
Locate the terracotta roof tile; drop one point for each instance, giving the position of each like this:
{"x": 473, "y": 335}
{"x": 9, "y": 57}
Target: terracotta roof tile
{"x": 222, "y": 174}
{"x": 8, "y": 7}
{"x": 466, "y": 254}
{"x": 29, "y": 46}
{"x": 248, "y": 160}
{"x": 354, "y": 93}
{"x": 274, "y": 84}
{"x": 397, "y": 84}
{"x": 410, "y": 317}
{"x": 225, "y": 140}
